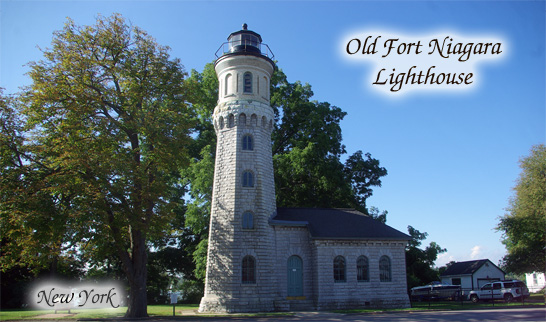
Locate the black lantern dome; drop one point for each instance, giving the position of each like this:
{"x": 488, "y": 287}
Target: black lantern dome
{"x": 244, "y": 41}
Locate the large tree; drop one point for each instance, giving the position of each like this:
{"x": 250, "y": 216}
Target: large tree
{"x": 106, "y": 132}
{"x": 524, "y": 226}
{"x": 307, "y": 151}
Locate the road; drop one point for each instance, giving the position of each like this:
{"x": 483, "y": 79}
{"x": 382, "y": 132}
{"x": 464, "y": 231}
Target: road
{"x": 511, "y": 315}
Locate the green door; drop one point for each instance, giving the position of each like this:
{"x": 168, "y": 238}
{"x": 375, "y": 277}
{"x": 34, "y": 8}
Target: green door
{"x": 295, "y": 276}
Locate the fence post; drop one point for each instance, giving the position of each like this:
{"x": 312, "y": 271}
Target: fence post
{"x": 429, "y": 299}
{"x": 461, "y": 296}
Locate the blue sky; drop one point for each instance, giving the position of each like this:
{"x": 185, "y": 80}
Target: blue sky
{"x": 452, "y": 157}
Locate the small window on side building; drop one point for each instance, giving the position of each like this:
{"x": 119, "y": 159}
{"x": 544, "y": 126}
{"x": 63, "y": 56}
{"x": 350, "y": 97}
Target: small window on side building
{"x": 385, "y": 269}
{"x": 362, "y": 269}
{"x": 339, "y": 269}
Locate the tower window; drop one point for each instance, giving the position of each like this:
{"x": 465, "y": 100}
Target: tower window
{"x": 249, "y": 270}
{"x": 231, "y": 120}
{"x": 339, "y": 269}
{"x": 248, "y": 145}
{"x": 247, "y": 83}
{"x": 362, "y": 269}
{"x": 242, "y": 119}
{"x": 228, "y": 85}
{"x": 385, "y": 269}
{"x": 248, "y": 179}
{"x": 248, "y": 220}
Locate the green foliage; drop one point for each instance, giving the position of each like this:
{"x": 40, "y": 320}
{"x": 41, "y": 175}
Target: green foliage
{"x": 523, "y": 227}
{"x": 307, "y": 150}
{"x": 191, "y": 292}
{"x": 379, "y": 216}
{"x": 105, "y": 131}
{"x": 420, "y": 263}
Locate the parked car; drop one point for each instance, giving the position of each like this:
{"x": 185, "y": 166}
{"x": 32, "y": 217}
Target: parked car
{"x": 501, "y": 290}
{"x": 435, "y": 291}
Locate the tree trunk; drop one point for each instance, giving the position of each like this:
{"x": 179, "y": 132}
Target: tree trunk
{"x": 137, "y": 301}
{"x": 137, "y": 275}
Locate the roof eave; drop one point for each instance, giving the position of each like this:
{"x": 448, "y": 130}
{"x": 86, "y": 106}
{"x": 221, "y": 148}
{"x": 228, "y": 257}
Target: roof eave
{"x": 288, "y": 223}
{"x": 362, "y": 238}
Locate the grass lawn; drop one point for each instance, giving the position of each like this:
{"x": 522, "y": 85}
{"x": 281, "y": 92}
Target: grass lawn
{"x": 533, "y": 300}
{"x": 153, "y": 310}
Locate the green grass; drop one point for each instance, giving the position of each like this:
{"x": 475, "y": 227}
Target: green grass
{"x": 534, "y": 299}
{"x": 21, "y": 314}
{"x": 153, "y": 310}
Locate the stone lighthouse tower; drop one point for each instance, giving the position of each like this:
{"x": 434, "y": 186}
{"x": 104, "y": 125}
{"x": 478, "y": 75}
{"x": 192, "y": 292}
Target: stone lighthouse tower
{"x": 241, "y": 252}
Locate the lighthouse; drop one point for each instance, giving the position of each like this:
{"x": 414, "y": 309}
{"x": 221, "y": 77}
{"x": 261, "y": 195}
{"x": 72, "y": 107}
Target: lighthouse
{"x": 263, "y": 258}
{"x": 241, "y": 258}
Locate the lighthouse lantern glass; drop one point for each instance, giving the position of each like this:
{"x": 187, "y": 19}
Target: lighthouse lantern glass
{"x": 241, "y": 41}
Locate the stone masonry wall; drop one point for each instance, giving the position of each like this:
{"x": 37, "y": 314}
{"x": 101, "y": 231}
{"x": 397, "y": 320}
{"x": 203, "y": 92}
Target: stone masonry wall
{"x": 353, "y": 293}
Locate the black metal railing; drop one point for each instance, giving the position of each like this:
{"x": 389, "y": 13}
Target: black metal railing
{"x": 244, "y": 46}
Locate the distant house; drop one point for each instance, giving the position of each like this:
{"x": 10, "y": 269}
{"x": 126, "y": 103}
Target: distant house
{"x": 472, "y": 274}
{"x": 535, "y": 281}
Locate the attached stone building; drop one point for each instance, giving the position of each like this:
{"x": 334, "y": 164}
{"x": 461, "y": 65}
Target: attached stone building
{"x": 264, "y": 258}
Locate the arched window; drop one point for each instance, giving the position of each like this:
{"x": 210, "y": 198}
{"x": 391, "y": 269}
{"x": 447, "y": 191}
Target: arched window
{"x": 231, "y": 121}
{"x": 249, "y": 270}
{"x": 339, "y": 269}
{"x": 248, "y": 179}
{"x": 248, "y": 220}
{"x": 221, "y": 123}
{"x": 265, "y": 87}
{"x": 384, "y": 269}
{"x": 248, "y": 145}
{"x": 362, "y": 269}
{"x": 228, "y": 85}
{"x": 242, "y": 119}
{"x": 247, "y": 83}
{"x": 253, "y": 120}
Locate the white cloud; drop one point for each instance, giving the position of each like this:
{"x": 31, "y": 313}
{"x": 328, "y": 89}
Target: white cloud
{"x": 443, "y": 259}
{"x": 476, "y": 252}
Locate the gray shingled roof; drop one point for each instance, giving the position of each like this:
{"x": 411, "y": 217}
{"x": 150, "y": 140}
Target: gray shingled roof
{"x": 466, "y": 268}
{"x": 335, "y": 223}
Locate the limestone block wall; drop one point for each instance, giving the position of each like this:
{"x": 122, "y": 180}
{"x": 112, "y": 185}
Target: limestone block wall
{"x": 229, "y": 242}
{"x": 353, "y": 293}
{"x": 295, "y": 241}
